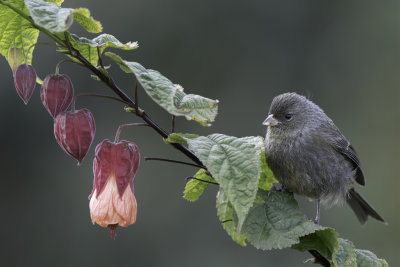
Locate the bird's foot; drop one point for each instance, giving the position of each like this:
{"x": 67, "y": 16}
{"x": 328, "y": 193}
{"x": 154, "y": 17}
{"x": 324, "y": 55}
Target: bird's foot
{"x": 316, "y": 220}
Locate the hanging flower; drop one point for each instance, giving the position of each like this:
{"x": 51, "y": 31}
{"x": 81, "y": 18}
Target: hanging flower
{"x": 112, "y": 201}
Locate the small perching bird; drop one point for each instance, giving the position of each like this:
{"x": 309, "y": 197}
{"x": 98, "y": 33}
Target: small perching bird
{"x": 310, "y": 156}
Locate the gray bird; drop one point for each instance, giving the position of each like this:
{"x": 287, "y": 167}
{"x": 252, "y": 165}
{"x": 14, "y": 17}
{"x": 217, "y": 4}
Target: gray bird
{"x": 310, "y": 156}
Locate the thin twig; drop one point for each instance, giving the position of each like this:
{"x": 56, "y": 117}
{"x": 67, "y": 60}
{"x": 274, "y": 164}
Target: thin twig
{"x": 104, "y": 96}
{"x": 66, "y": 60}
{"x": 126, "y": 125}
{"x": 227, "y": 221}
{"x": 174, "y": 161}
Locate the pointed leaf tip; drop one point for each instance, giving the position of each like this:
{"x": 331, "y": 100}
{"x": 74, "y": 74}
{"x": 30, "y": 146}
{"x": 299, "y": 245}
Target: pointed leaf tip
{"x": 82, "y": 16}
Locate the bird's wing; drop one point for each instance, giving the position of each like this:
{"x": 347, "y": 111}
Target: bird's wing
{"x": 340, "y": 144}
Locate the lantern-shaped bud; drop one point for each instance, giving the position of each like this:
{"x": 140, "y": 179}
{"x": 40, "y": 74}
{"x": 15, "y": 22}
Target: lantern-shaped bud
{"x": 56, "y": 93}
{"x": 25, "y": 81}
{"x": 74, "y": 132}
{"x": 112, "y": 201}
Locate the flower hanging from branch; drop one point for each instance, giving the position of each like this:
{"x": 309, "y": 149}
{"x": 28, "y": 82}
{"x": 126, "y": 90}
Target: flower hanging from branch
{"x": 112, "y": 201}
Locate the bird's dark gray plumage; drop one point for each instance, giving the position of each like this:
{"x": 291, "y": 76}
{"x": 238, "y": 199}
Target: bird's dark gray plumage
{"x": 311, "y": 157}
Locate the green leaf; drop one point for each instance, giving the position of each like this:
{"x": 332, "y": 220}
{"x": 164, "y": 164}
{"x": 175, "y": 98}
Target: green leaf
{"x": 235, "y": 164}
{"x": 345, "y": 255}
{"x": 366, "y": 258}
{"x": 15, "y": 31}
{"x": 195, "y": 187}
{"x": 267, "y": 178}
{"x": 226, "y": 215}
{"x": 339, "y": 251}
{"x": 275, "y": 221}
{"x": 170, "y": 96}
{"x": 49, "y": 15}
{"x": 88, "y": 47}
{"x": 82, "y": 16}
{"x": 324, "y": 241}
{"x": 179, "y": 138}
{"x": 54, "y": 18}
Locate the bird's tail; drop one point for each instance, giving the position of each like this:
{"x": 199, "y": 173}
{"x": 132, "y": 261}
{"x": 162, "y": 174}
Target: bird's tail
{"x": 361, "y": 207}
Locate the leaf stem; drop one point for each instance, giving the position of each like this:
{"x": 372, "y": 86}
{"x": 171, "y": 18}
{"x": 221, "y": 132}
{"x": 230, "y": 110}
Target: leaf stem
{"x": 201, "y": 180}
{"x": 103, "y": 96}
{"x": 63, "y": 61}
{"x": 99, "y": 55}
{"x": 319, "y": 258}
{"x": 174, "y": 161}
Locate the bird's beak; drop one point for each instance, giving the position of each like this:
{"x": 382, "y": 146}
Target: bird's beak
{"x": 271, "y": 121}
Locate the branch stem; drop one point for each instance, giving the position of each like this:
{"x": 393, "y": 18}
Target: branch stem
{"x": 103, "y": 76}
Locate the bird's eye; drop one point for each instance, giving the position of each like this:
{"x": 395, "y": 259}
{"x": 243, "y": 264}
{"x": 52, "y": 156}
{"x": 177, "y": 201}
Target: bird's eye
{"x": 288, "y": 117}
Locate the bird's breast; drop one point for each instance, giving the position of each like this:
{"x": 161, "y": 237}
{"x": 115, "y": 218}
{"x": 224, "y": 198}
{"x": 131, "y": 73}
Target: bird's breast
{"x": 308, "y": 166}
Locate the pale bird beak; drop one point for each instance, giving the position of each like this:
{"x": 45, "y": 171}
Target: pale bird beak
{"x": 271, "y": 121}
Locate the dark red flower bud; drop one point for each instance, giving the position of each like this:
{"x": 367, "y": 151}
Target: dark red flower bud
{"x": 56, "y": 93}
{"x": 25, "y": 81}
{"x": 74, "y": 132}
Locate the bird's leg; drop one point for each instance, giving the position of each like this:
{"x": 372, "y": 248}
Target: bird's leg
{"x": 316, "y": 220}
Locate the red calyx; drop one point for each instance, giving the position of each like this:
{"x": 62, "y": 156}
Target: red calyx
{"x": 56, "y": 93}
{"x": 120, "y": 158}
{"x": 25, "y": 81}
{"x": 74, "y": 132}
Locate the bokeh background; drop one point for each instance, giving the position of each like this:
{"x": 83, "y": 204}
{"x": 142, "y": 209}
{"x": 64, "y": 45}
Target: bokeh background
{"x": 344, "y": 55}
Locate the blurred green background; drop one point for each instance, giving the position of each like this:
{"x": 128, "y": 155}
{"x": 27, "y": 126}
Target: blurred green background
{"x": 344, "y": 55}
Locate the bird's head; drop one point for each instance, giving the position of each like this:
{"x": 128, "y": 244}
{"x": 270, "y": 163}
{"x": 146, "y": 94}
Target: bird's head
{"x": 291, "y": 112}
